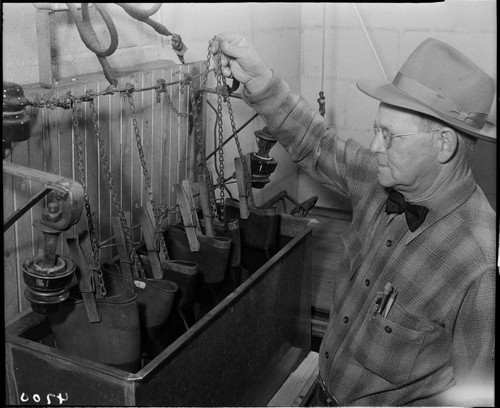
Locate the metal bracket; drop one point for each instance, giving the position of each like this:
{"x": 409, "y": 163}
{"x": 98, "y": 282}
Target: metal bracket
{"x": 68, "y": 195}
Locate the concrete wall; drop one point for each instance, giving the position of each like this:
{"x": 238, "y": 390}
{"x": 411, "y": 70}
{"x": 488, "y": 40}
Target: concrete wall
{"x": 289, "y": 37}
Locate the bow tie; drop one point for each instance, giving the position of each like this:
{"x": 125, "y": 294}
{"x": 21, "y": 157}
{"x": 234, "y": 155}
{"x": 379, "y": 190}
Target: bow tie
{"x": 415, "y": 214}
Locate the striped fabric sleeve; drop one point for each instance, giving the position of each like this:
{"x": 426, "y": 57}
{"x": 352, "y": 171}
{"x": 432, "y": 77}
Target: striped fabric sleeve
{"x": 345, "y": 167}
{"x": 474, "y": 336}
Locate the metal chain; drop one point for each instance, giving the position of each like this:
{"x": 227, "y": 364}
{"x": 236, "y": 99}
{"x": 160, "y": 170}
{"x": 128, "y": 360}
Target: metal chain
{"x": 221, "y": 81}
{"x": 81, "y": 168}
{"x": 198, "y": 135}
{"x": 67, "y": 101}
{"x": 174, "y": 109}
{"x": 248, "y": 180}
{"x": 196, "y": 108}
{"x": 220, "y": 126}
{"x": 123, "y": 220}
{"x": 156, "y": 211}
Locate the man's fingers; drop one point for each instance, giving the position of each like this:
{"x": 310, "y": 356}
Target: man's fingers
{"x": 225, "y": 38}
{"x": 226, "y": 71}
{"x": 224, "y": 61}
{"x": 214, "y": 48}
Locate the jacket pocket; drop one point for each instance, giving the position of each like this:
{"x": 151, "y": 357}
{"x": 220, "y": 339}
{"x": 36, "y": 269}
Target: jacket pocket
{"x": 389, "y": 348}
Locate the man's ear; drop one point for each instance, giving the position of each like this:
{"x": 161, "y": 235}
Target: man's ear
{"x": 448, "y": 144}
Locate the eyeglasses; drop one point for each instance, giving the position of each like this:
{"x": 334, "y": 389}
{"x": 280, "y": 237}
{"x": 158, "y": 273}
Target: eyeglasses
{"x": 388, "y": 137}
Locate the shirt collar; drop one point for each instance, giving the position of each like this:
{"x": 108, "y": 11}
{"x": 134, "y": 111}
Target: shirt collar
{"x": 446, "y": 201}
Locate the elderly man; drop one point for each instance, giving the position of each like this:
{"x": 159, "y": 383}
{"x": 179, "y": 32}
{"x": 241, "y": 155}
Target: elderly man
{"x": 412, "y": 319}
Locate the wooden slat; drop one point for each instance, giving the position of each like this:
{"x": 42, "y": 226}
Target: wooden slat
{"x": 299, "y": 386}
{"x": 205, "y": 206}
{"x": 92, "y": 159}
{"x": 177, "y": 100}
{"x": 115, "y": 153}
{"x": 43, "y": 46}
{"x": 65, "y": 156}
{"x": 11, "y": 294}
{"x": 123, "y": 253}
{"x": 172, "y": 147}
{"x": 27, "y": 238}
{"x": 156, "y": 136}
{"x": 242, "y": 188}
{"x": 186, "y": 186}
{"x": 160, "y": 158}
{"x": 104, "y": 105}
{"x": 144, "y": 106}
{"x": 36, "y": 161}
{"x": 127, "y": 150}
{"x": 148, "y": 232}
{"x": 187, "y": 217}
{"x": 80, "y": 89}
{"x": 136, "y": 180}
{"x": 84, "y": 280}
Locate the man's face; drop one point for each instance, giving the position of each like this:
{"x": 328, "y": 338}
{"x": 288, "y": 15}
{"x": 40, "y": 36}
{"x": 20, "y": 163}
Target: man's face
{"x": 410, "y": 165}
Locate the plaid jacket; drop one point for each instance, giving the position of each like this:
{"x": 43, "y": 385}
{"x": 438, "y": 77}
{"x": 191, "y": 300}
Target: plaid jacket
{"x": 440, "y": 329}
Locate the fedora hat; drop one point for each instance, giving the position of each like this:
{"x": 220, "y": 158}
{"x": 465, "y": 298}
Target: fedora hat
{"x": 441, "y": 82}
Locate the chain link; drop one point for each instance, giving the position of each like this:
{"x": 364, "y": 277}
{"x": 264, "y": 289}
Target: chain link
{"x": 222, "y": 94}
{"x": 66, "y": 103}
{"x": 81, "y": 168}
{"x": 196, "y": 108}
{"x": 244, "y": 162}
{"x": 156, "y": 211}
{"x": 220, "y": 127}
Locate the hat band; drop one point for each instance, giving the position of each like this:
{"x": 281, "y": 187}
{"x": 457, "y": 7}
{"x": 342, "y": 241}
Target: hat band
{"x": 438, "y": 102}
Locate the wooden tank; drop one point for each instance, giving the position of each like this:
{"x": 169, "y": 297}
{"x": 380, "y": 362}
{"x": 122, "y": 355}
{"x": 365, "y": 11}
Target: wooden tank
{"x": 239, "y": 354}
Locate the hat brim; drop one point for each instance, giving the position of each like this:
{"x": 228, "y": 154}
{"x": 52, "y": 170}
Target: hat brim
{"x": 387, "y": 93}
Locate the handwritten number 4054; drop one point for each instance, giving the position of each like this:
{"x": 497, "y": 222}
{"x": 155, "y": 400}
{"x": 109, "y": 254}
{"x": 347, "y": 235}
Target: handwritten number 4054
{"x": 51, "y": 398}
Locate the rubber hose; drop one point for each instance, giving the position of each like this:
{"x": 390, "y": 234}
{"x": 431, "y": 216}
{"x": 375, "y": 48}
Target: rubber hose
{"x": 87, "y": 32}
{"x": 138, "y": 13}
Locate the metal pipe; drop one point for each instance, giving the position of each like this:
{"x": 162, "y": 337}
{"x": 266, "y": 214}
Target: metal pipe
{"x": 233, "y": 135}
{"x": 25, "y": 208}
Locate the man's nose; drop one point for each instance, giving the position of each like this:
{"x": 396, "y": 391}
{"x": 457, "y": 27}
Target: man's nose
{"x": 377, "y": 145}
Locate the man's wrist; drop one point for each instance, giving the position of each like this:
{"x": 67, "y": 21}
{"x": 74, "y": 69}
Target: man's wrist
{"x": 257, "y": 84}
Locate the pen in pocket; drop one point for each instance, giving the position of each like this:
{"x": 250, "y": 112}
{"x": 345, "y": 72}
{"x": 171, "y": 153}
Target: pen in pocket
{"x": 385, "y": 298}
{"x": 390, "y": 302}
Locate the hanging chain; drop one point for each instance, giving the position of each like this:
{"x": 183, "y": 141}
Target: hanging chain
{"x": 67, "y": 102}
{"x": 220, "y": 126}
{"x": 157, "y": 213}
{"x": 196, "y": 108}
{"x": 174, "y": 109}
{"x": 123, "y": 220}
{"x": 81, "y": 168}
{"x": 244, "y": 162}
{"x": 221, "y": 87}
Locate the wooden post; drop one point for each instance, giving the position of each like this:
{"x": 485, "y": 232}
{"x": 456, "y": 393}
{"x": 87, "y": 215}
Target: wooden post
{"x": 242, "y": 189}
{"x": 123, "y": 254}
{"x": 148, "y": 232}
{"x": 185, "y": 208}
{"x": 186, "y": 185}
{"x": 205, "y": 207}
{"x": 161, "y": 250}
{"x": 85, "y": 278}
{"x": 44, "y": 53}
